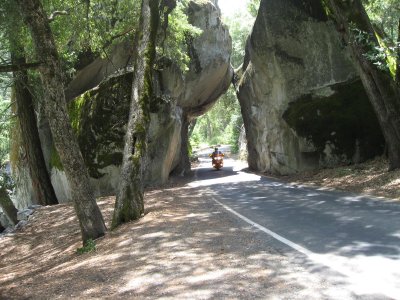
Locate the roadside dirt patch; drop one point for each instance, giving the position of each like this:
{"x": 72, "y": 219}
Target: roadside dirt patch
{"x": 371, "y": 178}
{"x": 185, "y": 247}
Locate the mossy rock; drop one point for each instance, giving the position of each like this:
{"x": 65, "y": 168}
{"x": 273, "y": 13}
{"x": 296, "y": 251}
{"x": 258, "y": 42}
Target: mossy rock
{"x": 343, "y": 119}
{"x": 99, "y": 118}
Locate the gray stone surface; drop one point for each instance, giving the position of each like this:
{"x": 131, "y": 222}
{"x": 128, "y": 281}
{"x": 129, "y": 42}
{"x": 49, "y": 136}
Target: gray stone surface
{"x": 89, "y": 77}
{"x": 210, "y": 71}
{"x": 295, "y": 59}
{"x": 100, "y": 109}
{"x": 24, "y": 214}
{"x": 4, "y": 220}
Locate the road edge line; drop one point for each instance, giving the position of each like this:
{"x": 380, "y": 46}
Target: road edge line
{"x": 276, "y": 236}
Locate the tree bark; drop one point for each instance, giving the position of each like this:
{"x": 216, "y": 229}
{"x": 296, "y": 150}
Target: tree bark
{"x": 398, "y": 57}
{"x": 18, "y": 67}
{"x": 380, "y": 87}
{"x": 89, "y": 215}
{"x": 41, "y": 182}
{"x": 192, "y": 126}
{"x": 8, "y": 206}
{"x": 129, "y": 204}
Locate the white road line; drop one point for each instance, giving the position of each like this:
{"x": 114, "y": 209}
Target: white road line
{"x": 267, "y": 231}
{"x": 371, "y": 280}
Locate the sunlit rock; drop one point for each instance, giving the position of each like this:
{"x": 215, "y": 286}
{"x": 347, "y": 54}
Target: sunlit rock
{"x": 99, "y": 97}
{"x": 302, "y": 102}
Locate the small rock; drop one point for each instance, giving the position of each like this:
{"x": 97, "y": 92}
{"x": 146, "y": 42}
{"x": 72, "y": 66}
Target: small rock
{"x": 8, "y": 230}
{"x": 21, "y": 224}
{"x": 24, "y": 214}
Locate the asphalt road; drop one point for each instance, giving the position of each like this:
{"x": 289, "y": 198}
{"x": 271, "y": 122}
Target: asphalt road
{"x": 351, "y": 241}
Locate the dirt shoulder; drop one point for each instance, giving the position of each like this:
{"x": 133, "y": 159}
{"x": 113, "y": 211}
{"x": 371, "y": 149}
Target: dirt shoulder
{"x": 370, "y": 178}
{"x": 185, "y": 247}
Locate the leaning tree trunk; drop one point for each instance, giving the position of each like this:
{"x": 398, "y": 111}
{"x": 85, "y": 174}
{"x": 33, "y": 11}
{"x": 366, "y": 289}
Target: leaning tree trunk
{"x": 380, "y": 87}
{"x": 8, "y": 206}
{"x": 89, "y": 215}
{"x": 129, "y": 204}
{"x": 192, "y": 126}
{"x": 41, "y": 182}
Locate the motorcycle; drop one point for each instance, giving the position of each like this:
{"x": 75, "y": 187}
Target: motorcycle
{"x": 217, "y": 161}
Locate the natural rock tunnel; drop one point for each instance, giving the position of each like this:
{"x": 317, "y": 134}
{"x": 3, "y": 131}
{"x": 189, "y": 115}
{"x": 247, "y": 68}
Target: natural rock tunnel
{"x": 302, "y": 103}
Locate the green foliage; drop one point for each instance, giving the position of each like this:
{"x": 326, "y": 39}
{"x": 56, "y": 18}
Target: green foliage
{"x": 385, "y": 16}
{"x": 240, "y": 26}
{"x": 376, "y": 54}
{"x": 253, "y": 6}
{"x": 89, "y": 246}
{"x": 179, "y": 32}
{"x": 55, "y": 161}
{"x": 6, "y": 118}
{"x": 90, "y": 27}
{"x": 381, "y": 55}
{"x": 221, "y": 125}
{"x": 75, "y": 109}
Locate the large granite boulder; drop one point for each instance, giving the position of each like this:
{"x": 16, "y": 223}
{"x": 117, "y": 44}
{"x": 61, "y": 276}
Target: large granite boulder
{"x": 99, "y": 115}
{"x": 210, "y": 71}
{"x": 303, "y": 105}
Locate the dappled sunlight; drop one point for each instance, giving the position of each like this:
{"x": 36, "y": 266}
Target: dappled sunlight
{"x": 336, "y": 232}
{"x": 365, "y": 274}
{"x": 370, "y": 177}
{"x": 184, "y": 247}
{"x": 240, "y": 177}
{"x": 189, "y": 246}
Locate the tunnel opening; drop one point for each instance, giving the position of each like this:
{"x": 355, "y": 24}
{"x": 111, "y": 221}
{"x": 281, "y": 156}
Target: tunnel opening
{"x": 223, "y": 123}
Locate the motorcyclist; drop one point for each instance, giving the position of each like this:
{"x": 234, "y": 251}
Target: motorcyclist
{"x": 216, "y": 153}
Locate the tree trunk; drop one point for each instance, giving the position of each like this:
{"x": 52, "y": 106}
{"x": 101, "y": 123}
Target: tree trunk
{"x": 380, "y": 87}
{"x": 192, "y": 126}
{"x": 89, "y": 215}
{"x": 129, "y": 204}
{"x": 8, "y": 206}
{"x": 398, "y": 57}
{"x": 41, "y": 182}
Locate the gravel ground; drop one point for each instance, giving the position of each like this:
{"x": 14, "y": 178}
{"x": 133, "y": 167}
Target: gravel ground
{"x": 186, "y": 247}
{"x": 370, "y": 178}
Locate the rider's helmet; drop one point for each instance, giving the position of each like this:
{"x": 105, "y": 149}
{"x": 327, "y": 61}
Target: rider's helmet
{"x": 216, "y": 149}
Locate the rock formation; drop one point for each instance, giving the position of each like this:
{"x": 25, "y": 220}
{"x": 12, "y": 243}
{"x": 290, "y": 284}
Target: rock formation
{"x": 100, "y": 114}
{"x": 302, "y": 103}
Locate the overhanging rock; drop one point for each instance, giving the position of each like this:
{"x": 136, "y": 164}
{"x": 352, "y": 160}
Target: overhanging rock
{"x": 303, "y": 105}
{"x": 99, "y": 115}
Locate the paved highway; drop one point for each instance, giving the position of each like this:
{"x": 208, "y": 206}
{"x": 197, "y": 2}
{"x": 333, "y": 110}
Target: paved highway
{"x": 351, "y": 241}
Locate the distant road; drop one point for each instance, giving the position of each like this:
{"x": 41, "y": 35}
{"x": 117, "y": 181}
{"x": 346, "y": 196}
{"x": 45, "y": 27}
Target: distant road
{"x": 351, "y": 241}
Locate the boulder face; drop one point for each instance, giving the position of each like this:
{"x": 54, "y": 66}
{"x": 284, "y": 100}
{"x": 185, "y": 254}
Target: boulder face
{"x": 92, "y": 75}
{"x": 99, "y": 115}
{"x": 302, "y": 103}
{"x": 210, "y": 71}
{"x": 179, "y": 96}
